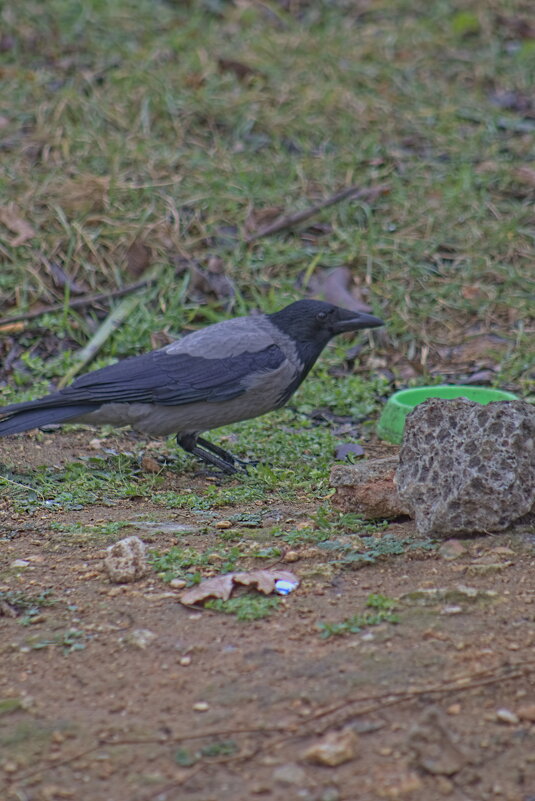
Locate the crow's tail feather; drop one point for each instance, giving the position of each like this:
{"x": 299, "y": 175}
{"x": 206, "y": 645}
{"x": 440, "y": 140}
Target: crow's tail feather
{"x": 27, "y": 419}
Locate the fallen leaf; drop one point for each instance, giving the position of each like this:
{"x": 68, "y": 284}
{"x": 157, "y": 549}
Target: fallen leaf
{"x": 259, "y": 218}
{"x": 337, "y": 286}
{"x": 62, "y": 279}
{"x": 513, "y": 100}
{"x": 159, "y": 339}
{"x": 222, "y": 586}
{"x": 516, "y": 26}
{"x": 85, "y": 193}
{"x": 210, "y": 282}
{"x": 525, "y": 175}
{"x": 138, "y": 258}
{"x": 218, "y": 587}
{"x": 342, "y": 451}
{"x": 10, "y": 217}
{"x": 243, "y": 72}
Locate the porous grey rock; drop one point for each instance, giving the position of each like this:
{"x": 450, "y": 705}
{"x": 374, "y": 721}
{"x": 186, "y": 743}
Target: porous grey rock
{"x": 467, "y": 468}
{"x": 368, "y": 488}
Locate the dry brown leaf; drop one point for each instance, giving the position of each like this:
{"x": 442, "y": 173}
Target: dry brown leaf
{"x": 210, "y": 282}
{"x": 336, "y": 286}
{"x": 222, "y": 586}
{"x": 85, "y": 193}
{"x": 138, "y": 258}
{"x": 258, "y": 218}
{"x": 159, "y": 339}
{"x": 243, "y": 72}
{"x": 218, "y": 587}
{"x": 526, "y": 175}
{"x": 10, "y": 217}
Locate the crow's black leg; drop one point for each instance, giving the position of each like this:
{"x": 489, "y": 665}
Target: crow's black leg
{"x": 223, "y": 461}
{"x": 209, "y": 446}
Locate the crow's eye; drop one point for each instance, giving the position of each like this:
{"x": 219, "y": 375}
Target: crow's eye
{"x": 321, "y": 315}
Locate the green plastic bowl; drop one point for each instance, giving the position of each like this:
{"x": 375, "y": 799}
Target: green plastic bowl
{"x": 392, "y": 421}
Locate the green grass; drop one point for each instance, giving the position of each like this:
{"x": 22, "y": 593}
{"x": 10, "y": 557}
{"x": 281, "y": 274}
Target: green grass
{"x": 69, "y": 641}
{"x": 187, "y": 562}
{"x": 26, "y": 606}
{"x": 218, "y": 748}
{"x": 383, "y": 613}
{"x": 252, "y": 606}
{"x": 78, "y": 484}
{"x": 122, "y": 123}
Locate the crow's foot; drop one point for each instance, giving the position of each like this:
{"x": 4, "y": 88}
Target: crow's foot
{"x": 212, "y": 454}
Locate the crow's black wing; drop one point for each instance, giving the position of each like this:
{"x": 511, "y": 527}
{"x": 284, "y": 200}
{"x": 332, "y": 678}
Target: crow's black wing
{"x": 170, "y": 379}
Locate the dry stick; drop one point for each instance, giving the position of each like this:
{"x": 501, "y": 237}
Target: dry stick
{"x": 162, "y": 791}
{"x": 293, "y": 219}
{"x": 279, "y": 225}
{"x": 384, "y": 700}
{"x": 222, "y": 761}
{"x": 78, "y": 303}
{"x": 381, "y": 701}
{"x": 113, "y": 321}
{"x": 454, "y": 685}
{"x": 104, "y": 743}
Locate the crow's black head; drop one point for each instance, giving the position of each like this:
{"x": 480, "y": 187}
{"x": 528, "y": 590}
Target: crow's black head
{"x": 314, "y": 323}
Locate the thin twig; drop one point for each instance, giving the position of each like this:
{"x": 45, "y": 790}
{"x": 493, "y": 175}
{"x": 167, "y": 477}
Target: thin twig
{"x": 379, "y": 701}
{"x": 383, "y": 700}
{"x": 113, "y": 321}
{"x": 288, "y": 221}
{"x": 105, "y": 743}
{"x": 87, "y": 300}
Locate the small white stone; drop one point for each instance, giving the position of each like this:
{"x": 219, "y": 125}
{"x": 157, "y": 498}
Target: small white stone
{"x": 141, "y": 638}
{"x": 507, "y": 716}
{"x": 126, "y": 560}
{"x": 177, "y": 584}
{"x": 201, "y": 706}
{"x": 452, "y": 610}
{"x": 289, "y": 774}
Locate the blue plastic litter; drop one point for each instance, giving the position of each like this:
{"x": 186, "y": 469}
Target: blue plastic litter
{"x": 283, "y": 587}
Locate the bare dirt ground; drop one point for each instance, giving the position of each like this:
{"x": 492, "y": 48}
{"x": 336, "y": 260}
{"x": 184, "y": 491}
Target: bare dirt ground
{"x": 441, "y": 705}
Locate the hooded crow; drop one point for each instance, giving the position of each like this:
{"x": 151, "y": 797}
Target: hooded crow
{"x": 224, "y": 373}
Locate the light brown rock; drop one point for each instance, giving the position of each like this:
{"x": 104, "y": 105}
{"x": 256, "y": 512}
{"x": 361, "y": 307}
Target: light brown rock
{"x": 126, "y": 560}
{"x": 526, "y": 712}
{"x": 437, "y": 749}
{"x": 452, "y": 549}
{"x": 334, "y": 749}
{"x": 368, "y": 489}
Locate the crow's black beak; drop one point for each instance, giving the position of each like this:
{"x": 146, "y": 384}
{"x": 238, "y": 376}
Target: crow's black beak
{"x": 355, "y": 321}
